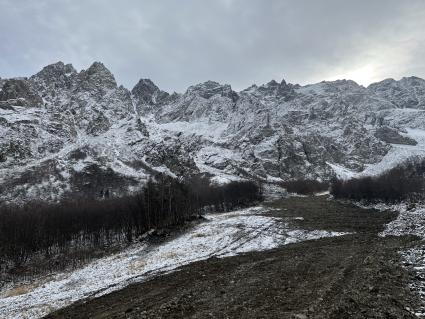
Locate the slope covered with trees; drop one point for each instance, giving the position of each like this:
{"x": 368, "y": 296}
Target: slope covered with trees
{"x": 67, "y": 227}
{"x": 403, "y": 182}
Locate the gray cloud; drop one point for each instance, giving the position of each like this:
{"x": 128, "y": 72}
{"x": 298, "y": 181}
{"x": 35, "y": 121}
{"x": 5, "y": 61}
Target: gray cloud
{"x": 240, "y": 42}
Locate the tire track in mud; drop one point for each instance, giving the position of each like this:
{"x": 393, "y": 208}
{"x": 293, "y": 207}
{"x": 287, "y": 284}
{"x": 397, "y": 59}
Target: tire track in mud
{"x": 243, "y": 239}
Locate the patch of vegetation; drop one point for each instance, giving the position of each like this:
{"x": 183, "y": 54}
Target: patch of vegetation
{"x": 78, "y": 225}
{"x": 403, "y": 182}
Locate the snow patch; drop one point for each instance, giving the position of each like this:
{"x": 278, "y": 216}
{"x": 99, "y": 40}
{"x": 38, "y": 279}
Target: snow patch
{"x": 395, "y": 156}
{"x": 209, "y": 130}
{"x": 410, "y": 221}
{"x": 222, "y": 235}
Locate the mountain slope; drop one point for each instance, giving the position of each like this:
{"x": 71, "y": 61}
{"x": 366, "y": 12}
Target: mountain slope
{"x": 66, "y": 132}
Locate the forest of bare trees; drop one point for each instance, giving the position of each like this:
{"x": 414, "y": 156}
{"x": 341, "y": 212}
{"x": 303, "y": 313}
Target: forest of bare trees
{"x": 51, "y": 229}
{"x": 403, "y": 182}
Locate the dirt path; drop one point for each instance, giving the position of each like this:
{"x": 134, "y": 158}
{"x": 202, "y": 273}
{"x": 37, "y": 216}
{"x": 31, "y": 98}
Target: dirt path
{"x": 353, "y": 276}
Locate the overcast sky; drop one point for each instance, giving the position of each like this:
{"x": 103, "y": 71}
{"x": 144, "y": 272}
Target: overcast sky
{"x": 183, "y": 42}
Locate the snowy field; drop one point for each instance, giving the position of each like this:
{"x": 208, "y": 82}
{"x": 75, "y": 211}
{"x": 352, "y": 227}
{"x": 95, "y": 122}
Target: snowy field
{"x": 221, "y": 235}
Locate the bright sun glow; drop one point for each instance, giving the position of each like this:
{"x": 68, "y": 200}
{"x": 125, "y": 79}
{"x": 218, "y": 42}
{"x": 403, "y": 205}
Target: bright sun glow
{"x": 364, "y": 75}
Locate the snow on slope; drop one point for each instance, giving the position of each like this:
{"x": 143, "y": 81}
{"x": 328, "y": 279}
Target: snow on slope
{"x": 397, "y": 154}
{"x": 275, "y": 131}
{"x": 222, "y": 235}
{"x": 208, "y": 130}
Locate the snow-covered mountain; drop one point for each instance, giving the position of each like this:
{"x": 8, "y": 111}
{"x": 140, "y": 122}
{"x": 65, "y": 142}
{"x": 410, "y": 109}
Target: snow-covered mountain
{"x": 65, "y": 132}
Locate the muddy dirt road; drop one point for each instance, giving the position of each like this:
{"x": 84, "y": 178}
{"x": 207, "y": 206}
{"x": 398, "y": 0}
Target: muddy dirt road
{"x": 352, "y": 276}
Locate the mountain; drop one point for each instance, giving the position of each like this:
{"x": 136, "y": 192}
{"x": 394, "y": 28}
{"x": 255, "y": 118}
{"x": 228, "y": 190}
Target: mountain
{"x": 66, "y": 133}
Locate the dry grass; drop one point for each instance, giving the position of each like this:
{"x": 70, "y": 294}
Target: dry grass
{"x": 171, "y": 255}
{"x": 137, "y": 265}
{"x": 20, "y": 290}
{"x": 198, "y": 235}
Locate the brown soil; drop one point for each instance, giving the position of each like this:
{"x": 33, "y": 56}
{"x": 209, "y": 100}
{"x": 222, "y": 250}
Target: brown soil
{"x": 352, "y": 276}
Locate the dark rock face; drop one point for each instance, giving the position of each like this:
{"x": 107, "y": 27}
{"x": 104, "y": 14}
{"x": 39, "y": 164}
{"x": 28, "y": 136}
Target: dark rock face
{"x": 19, "y": 92}
{"x": 210, "y": 88}
{"x": 96, "y": 78}
{"x": 146, "y": 92}
{"x": 392, "y": 136}
{"x": 279, "y": 90}
{"x": 98, "y": 125}
{"x": 14, "y": 149}
{"x": 58, "y": 75}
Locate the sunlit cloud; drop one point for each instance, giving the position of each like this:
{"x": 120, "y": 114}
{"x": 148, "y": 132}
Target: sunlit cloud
{"x": 363, "y": 75}
{"x": 180, "y": 43}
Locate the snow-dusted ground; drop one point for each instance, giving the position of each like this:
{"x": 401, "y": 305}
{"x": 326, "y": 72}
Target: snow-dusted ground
{"x": 410, "y": 221}
{"x": 396, "y": 155}
{"x": 415, "y": 258}
{"x": 221, "y": 235}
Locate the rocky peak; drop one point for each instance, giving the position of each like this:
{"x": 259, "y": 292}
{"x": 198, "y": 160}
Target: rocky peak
{"x": 274, "y": 89}
{"x": 250, "y": 89}
{"x": 55, "y": 70}
{"x": 210, "y": 88}
{"x": 147, "y": 93}
{"x": 384, "y": 83}
{"x": 412, "y": 81}
{"x": 57, "y": 75}
{"x": 332, "y": 87}
{"x": 97, "y": 76}
{"x": 409, "y": 92}
{"x": 342, "y": 86}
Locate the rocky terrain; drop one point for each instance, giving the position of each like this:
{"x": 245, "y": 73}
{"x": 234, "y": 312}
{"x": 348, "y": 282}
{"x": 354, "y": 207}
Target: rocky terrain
{"x": 65, "y": 132}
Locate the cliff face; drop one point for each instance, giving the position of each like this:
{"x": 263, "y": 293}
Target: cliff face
{"x": 65, "y": 132}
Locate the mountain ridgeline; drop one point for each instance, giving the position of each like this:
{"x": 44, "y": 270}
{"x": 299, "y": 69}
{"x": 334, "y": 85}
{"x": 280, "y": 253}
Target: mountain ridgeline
{"x": 66, "y": 132}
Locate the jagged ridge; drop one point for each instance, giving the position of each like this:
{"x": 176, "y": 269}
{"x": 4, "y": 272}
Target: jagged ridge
{"x": 66, "y": 132}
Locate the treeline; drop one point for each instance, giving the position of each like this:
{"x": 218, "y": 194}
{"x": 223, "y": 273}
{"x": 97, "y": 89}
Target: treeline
{"x": 305, "y": 186}
{"x": 48, "y": 230}
{"x": 403, "y": 182}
